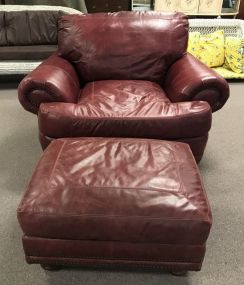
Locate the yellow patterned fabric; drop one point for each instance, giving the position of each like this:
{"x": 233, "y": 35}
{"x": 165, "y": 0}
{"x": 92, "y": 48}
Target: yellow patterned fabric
{"x": 234, "y": 54}
{"x": 193, "y": 43}
{"x": 228, "y": 74}
{"x": 209, "y": 49}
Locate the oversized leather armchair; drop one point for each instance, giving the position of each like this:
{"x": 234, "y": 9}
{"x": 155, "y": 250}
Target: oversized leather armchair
{"x": 124, "y": 74}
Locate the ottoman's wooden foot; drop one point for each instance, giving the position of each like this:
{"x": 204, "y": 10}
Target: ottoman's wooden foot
{"x": 179, "y": 272}
{"x": 51, "y": 267}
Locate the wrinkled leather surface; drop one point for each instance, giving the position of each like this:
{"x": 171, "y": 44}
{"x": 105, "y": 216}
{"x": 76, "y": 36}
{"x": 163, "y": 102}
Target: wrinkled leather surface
{"x": 29, "y": 27}
{"x": 84, "y": 252}
{"x": 188, "y": 79}
{"x": 117, "y": 190}
{"x": 34, "y": 52}
{"x": 125, "y": 109}
{"x": 151, "y": 43}
{"x": 55, "y": 80}
{"x": 120, "y": 96}
{"x": 196, "y": 144}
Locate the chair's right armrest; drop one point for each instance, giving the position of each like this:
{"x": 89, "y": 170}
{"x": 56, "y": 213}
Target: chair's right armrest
{"x": 190, "y": 80}
{"x": 55, "y": 80}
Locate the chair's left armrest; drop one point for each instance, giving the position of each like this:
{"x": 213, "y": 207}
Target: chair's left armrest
{"x": 188, "y": 80}
{"x": 55, "y": 80}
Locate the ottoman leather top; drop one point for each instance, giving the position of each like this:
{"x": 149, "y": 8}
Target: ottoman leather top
{"x": 114, "y": 189}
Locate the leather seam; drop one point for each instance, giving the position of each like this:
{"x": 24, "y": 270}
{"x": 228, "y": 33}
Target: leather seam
{"x": 43, "y": 87}
{"x": 35, "y": 239}
{"x": 28, "y": 188}
{"x": 129, "y": 188}
{"x": 38, "y": 90}
{"x": 141, "y": 118}
{"x": 116, "y": 258}
{"x": 177, "y": 165}
{"x": 173, "y": 18}
{"x": 107, "y": 216}
{"x": 56, "y": 161}
{"x": 92, "y": 139}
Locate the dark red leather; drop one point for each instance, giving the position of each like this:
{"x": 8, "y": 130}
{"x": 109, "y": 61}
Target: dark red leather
{"x": 124, "y": 114}
{"x": 142, "y": 181}
{"x": 55, "y": 80}
{"x": 126, "y": 46}
{"x": 188, "y": 79}
{"x": 120, "y": 95}
{"x": 196, "y": 144}
{"x": 60, "y": 248}
{"x": 121, "y": 200}
{"x": 113, "y": 253}
{"x": 123, "y": 45}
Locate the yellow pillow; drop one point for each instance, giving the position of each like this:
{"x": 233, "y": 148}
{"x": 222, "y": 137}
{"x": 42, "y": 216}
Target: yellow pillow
{"x": 193, "y": 42}
{"x": 234, "y": 54}
{"x": 228, "y": 74}
{"x": 209, "y": 49}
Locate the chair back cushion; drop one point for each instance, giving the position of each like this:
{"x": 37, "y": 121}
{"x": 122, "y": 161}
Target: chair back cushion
{"x": 123, "y": 45}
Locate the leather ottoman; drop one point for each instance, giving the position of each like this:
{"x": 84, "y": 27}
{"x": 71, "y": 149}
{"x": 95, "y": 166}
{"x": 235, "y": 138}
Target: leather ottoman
{"x": 113, "y": 201}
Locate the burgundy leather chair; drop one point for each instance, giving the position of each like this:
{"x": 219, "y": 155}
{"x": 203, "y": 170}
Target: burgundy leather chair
{"x": 124, "y": 74}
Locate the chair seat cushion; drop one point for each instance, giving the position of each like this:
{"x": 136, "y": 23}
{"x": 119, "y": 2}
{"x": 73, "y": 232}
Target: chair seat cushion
{"x": 125, "y": 109}
{"x": 130, "y": 190}
{"x": 119, "y": 97}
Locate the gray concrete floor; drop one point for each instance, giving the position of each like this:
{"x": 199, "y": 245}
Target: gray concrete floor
{"x": 222, "y": 169}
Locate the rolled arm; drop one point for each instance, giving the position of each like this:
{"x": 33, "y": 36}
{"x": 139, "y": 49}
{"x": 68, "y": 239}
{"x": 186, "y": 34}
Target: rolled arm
{"x": 55, "y": 80}
{"x": 189, "y": 80}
